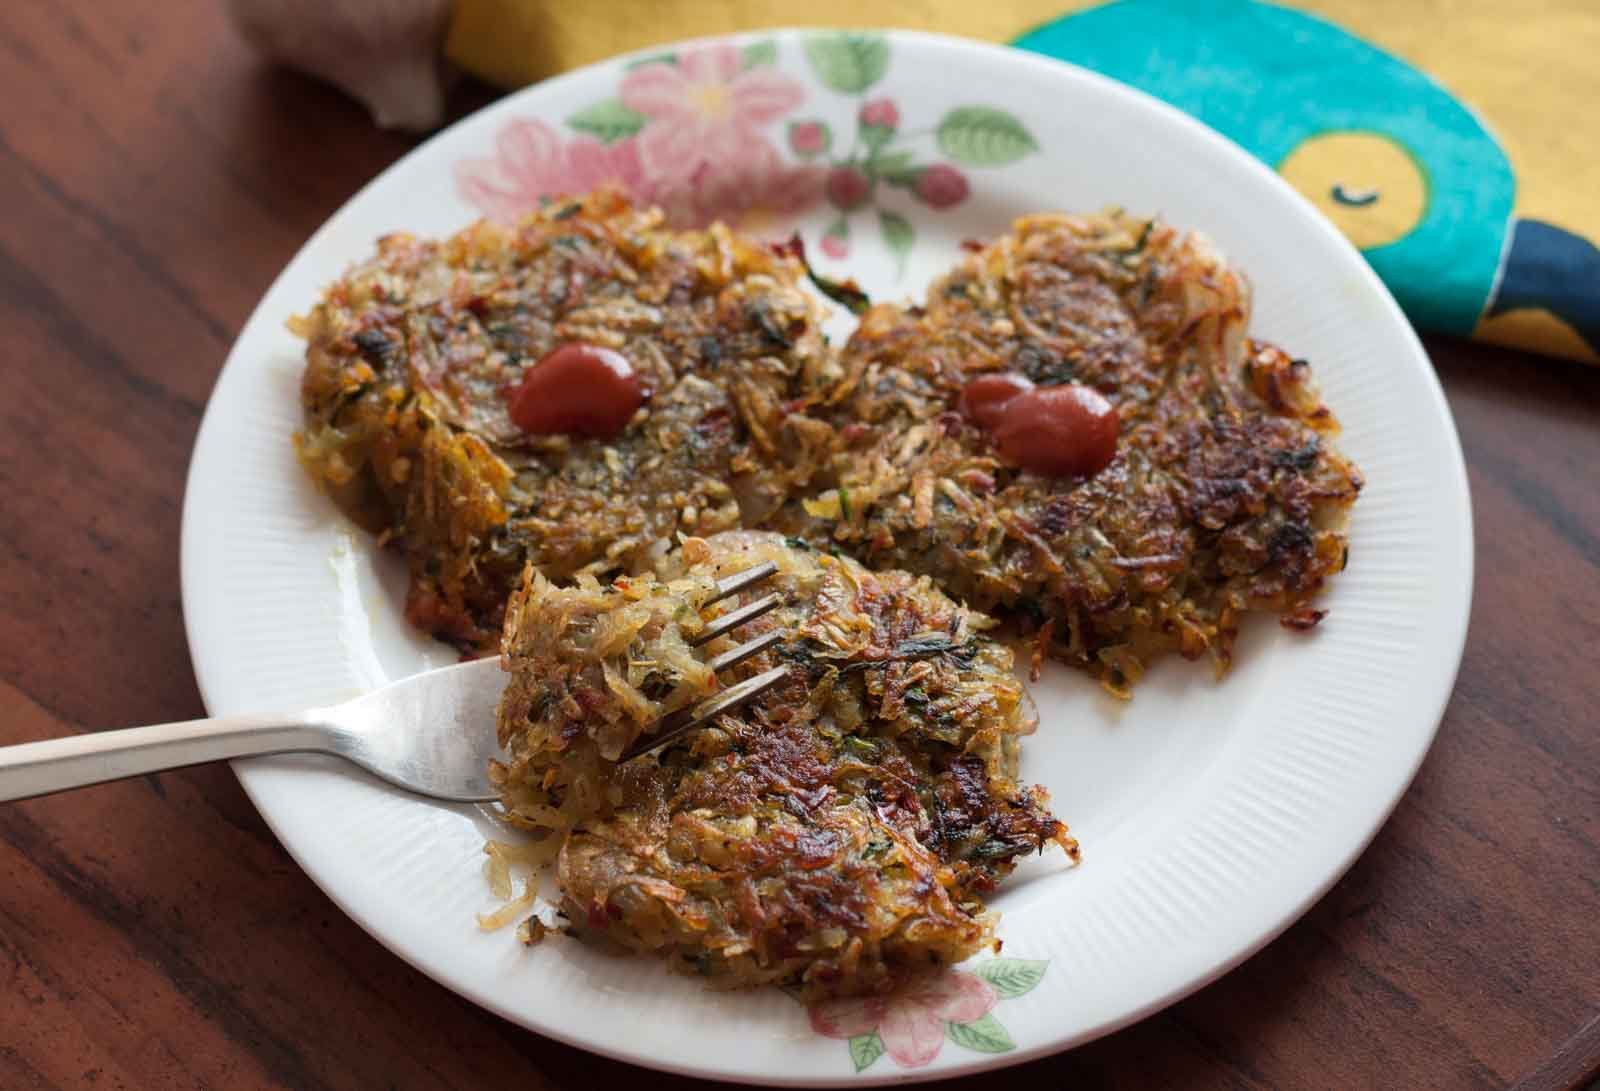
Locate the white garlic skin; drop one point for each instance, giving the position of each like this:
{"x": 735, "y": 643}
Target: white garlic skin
{"x": 384, "y": 53}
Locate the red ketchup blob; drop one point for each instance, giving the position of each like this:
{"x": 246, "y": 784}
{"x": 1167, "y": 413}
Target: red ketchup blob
{"x": 1059, "y": 431}
{"x": 985, "y": 398}
{"x": 577, "y": 390}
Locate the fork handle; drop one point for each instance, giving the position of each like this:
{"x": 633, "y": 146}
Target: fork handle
{"x": 54, "y": 765}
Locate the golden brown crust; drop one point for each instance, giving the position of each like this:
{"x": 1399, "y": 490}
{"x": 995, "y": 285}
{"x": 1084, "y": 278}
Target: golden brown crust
{"x": 833, "y": 836}
{"x": 410, "y": 357}
{"x": 1224, "y": 496}
{"x": 846, "y": 828}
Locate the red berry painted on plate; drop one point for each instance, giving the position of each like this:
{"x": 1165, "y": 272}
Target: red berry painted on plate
{"x": 577, "y": 390}
{"x": 847, "y": 188}
{"x": 941, "y": 186}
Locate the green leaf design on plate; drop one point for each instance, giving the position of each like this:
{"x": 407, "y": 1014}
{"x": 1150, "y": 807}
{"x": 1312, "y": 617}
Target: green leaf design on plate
{"x": 610, "y": 120}
{"x": 654, "y": 58}
{"x": 850, "y": 63}
{"x": 898, "y": 235}
{"x": 982, "y": 136}
{"x": 984, "y": 1035}
{"x": 1011, "y": 977}
{"x": 865, "y": 1049}
{"x": 758, "y": 53}
{"x": 894, "y": 167}
{"x": 875, "y": 136}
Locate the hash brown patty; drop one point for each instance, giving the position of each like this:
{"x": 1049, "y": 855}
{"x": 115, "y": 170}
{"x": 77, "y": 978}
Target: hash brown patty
{"x": 834, "y": 835}
{"x": 1225, "y": 495}
{"x": 411, "y": 355}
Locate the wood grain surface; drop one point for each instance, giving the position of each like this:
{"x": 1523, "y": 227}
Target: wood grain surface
{"x": 154, "y": 177}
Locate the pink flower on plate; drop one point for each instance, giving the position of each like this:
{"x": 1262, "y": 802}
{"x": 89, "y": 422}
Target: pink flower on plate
{"x": 911, "y": 1020}
{"x": 531, "y": 161}
{"x": 754, "y": 192}
{"x": 705, "y": 109}
{"x": 836, "y": 247}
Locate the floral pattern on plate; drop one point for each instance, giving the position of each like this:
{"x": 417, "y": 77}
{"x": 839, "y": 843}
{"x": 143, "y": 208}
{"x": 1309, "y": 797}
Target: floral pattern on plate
{"x": 692, "y": 132}
{"x": 883, "y": 154}
{"x": 685, "y": 131}
{"x": 912, "y": 1023}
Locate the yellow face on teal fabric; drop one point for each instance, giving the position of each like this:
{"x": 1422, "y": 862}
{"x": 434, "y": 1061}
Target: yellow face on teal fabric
{"x": 1369, "y": 184}
{"x": 1406, "y": 171}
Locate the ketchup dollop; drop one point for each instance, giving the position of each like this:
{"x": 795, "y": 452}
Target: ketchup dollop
{"x": 1059, "y": 431}
{"x": 577, "y": 390}
{"x": 985, "y": 398}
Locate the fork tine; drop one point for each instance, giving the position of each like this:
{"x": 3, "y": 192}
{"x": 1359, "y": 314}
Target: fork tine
{"x": 735, "y": 618}
{"x": 734, "y": 656}
{"x": 703, "y": 713}
{"x": 732, "y": 585}
{"x": 688, "y": 719}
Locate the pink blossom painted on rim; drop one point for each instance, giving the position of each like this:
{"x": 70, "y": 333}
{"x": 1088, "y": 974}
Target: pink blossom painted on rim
{"x": 910, "y": 1021}
{"x": 685, "y": 133}
{"x": 532, "y": 161}
{"x": 706, "y": 109}
{"x": 751, "y": 192}
{"x": 689, "y": 132}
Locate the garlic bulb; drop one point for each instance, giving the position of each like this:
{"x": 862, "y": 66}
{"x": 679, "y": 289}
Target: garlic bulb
{"x": 385, "y": 53}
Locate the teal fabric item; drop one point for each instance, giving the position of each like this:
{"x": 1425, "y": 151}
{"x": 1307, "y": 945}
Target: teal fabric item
{"x": 1269, "y": 78}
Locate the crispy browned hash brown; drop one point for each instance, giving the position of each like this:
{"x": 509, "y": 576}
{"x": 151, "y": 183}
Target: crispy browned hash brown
{"x": 1225, "y": 494}
{"x": 832, "y": 836}
{"x": 411, "y": 354}
{"x": 846, "y": 827}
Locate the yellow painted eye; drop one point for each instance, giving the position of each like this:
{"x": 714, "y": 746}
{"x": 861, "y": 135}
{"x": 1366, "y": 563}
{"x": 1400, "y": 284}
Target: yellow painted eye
{"x": 1366, "y": 183}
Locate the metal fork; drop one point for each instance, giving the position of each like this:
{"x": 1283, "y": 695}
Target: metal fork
{"x": 432, "y": 733}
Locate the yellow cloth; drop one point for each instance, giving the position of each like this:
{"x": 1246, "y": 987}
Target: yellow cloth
{"x": 1528, "y": 70}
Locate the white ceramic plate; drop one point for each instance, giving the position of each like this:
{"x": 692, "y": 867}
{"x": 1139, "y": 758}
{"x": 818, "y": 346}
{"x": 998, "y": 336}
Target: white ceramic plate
{"x": 1211, "y": 815}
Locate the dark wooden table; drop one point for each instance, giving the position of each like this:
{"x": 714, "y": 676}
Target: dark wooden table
{"x": 154, "y": 177}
